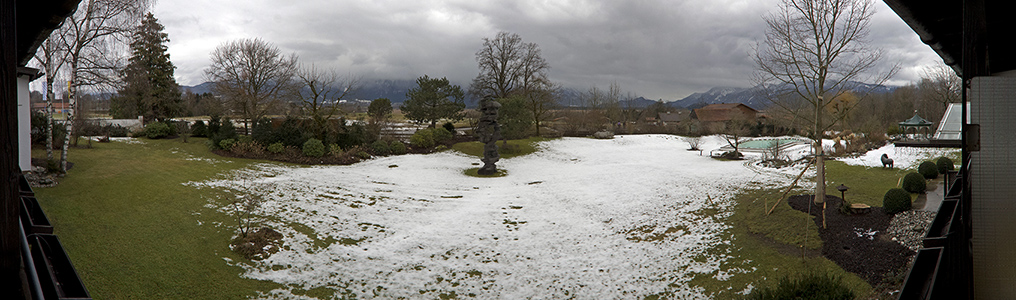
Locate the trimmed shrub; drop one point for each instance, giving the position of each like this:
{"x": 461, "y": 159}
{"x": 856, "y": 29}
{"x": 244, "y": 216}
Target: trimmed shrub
{"x": 806, "y": 287}
{"x": 423, "y": 138}
{"x": 313, "y": 148}
{"x": 199, "y": 129}
{"x": 397, "y": 148}
{"x": 227, "y": 144}
{"x": 896, "y": 200}
{"x": 914, "y": 183}
{"x": 157, "y": 130}
{"x": 450, "y": 127}
{"x": 441, "y": 135}
{"x": 363, "y": 155}
{"x": 928, "y": 169}
{"x": 276, "y": 148}
{"x": 944, "y": 165}
{"x": 380, "y": 148}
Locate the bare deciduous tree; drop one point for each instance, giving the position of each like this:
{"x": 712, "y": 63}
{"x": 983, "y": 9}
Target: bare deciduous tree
{"x": 941, "y": 85}
{"x": 319, "y": 92}
{"x": 93, "y": 37}
{"x": 510, "y": 67}
{"x": 252, "y": 75}
{"x": 816, "y": 50}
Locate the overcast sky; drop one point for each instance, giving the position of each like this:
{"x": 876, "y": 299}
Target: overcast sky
{"x": 655, "y": 48}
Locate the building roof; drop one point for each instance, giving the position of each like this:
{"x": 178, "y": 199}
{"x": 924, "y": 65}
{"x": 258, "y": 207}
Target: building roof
{"x": 916, "y": 121}
{"x": 951, "y": 125}
{"x": 36, "y": 20}
{"x": 940, "y": 25}
{"x": 678, "y": 116}
{"x": 727, "y": 106}
{"x": 721, "y": 112}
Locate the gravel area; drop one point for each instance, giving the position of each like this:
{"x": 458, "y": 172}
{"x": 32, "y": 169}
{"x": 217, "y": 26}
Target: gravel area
{"x": 908, "y": 228}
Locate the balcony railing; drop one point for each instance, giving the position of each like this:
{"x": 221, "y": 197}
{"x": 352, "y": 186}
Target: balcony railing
{"x": 51, "y": 275}
{"x": 941, "y": 269}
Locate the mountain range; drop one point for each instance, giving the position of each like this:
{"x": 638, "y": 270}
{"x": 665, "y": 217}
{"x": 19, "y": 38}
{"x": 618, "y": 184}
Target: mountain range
{"x": 395, "y": 90}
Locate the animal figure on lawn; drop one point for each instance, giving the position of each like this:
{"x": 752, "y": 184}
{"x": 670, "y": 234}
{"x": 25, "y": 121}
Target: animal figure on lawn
{"x": 886, "y": 161}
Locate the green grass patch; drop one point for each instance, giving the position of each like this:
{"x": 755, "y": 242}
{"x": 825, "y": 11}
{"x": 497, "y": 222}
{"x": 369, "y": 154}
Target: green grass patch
{"x": 514, "y": 148}
{"x": 474, "y": 172}
{"x": 135, "y": 231}
{"x": 765, "y": 249}
{"x": 867, "y": 185}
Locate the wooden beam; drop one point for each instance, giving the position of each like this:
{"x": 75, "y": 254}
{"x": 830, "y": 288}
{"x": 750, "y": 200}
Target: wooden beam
{"x": 10, "y": 244}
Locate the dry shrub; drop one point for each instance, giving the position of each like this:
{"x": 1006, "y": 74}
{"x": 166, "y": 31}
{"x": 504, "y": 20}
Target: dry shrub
{"x": 257, "y": 245}
{"x": 248, "y": 148}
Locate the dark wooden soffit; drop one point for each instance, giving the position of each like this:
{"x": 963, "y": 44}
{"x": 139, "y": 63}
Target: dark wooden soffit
{"x": 940, "y": 24}
{"x": 36, "y": 20}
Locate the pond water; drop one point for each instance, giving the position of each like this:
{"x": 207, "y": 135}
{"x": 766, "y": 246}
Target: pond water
{"x": 768, "y": 143}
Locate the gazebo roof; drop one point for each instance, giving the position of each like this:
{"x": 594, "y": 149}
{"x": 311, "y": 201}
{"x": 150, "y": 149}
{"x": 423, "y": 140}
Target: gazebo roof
{"x": 916, "y": 121}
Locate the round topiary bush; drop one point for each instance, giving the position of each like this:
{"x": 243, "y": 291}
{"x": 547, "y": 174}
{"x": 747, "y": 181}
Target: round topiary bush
{"x": 276, "y": 148}
{"x": 914, "y": 183}
{"x": 380, "y": 148}
{"x": 313, "y": 148}
{"x": 398, "y": 148}
{"x": 944, "y": 164}
{"x": 441, "y": 134}
{"x": 423, "y": 138}
{"x": 928, "y": 169}
{"x": 157, "y": 130}
{"x": 896, "y": 200}
{"x": 227, "y": 144}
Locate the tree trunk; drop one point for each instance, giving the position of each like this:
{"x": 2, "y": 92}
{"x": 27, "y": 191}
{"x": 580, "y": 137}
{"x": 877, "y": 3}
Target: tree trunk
{"x": 49, "y": 116}
{"x": 72, "y": 90}
{"x": 820, "y": 185}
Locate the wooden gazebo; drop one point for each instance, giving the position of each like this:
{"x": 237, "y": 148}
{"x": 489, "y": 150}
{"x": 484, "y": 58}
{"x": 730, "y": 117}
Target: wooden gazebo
{"x": 916, "y": 128}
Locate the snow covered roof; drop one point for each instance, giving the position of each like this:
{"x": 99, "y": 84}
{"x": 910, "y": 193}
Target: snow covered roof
{"x": 915, "y": 121}
{"x": 952, "y": 123}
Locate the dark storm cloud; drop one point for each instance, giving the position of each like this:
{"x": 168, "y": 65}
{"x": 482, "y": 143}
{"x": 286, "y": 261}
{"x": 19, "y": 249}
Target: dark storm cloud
{"x": 658, "y": 49}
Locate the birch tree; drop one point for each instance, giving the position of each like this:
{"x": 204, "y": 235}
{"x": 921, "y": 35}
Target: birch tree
{"x": 815, "y": 50}
{"x": 51, "y": 56}
{"x": 93, "y": 36}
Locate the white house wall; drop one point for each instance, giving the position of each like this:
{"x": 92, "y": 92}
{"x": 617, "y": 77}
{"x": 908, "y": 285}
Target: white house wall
{"x": 992, "y": 103}
{"x": 24, "y": 124}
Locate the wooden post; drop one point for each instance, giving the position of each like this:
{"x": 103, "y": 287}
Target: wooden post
{"x": 10, "y": 244}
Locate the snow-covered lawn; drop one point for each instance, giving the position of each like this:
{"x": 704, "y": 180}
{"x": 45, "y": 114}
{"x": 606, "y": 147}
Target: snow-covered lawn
{"x": 903, "y": 157}
{"x": 584, "y": 218}
{"x": 594, "y": 219}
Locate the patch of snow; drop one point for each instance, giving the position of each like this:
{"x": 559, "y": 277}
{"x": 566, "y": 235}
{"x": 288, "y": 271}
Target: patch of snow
{"x": 613, "y": 218}
{"x": 903, "y": 157}
{"x": 128, "y": 140}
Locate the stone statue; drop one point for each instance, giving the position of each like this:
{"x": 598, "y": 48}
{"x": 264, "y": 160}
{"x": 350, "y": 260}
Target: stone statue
{"x": 489, "y": 131}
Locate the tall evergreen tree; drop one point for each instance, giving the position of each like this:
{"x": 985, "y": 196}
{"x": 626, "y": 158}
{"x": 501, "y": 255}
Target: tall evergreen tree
{"x": 432, "y": 100}
{"x": 150, "y": 89}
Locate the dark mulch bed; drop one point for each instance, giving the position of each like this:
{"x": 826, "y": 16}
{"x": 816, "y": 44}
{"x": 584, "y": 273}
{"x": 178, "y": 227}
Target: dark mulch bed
{"x": 871, "y": 258}
{"x": 294, "y": 155}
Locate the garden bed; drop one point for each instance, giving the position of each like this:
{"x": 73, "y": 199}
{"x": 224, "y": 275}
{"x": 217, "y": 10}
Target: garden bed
{"x": 857, "y": 243}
